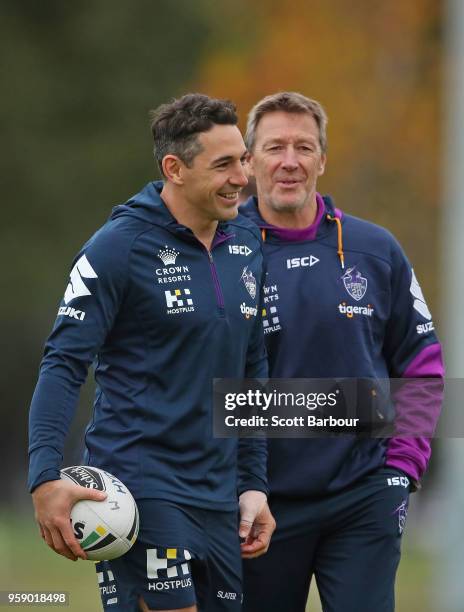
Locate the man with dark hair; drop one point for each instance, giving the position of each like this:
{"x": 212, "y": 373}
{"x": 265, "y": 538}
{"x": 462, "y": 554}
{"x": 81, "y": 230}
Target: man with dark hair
{"x": 175, "y": 126}
{"x": 156, "y": 296}
{"x": 340, "y": 301}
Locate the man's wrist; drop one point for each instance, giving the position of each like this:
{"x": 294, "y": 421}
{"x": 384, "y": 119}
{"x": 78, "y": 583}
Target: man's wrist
{"x": 47, "y": 476}
{"x": 253, "y": 484}
{"x": 253, "y": 491}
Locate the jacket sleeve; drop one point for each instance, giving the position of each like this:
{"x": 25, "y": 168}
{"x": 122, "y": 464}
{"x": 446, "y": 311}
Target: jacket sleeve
{"x": 412, "y": 351}
{"x": 87, "y": 311}
{"x": 252, "y": 452}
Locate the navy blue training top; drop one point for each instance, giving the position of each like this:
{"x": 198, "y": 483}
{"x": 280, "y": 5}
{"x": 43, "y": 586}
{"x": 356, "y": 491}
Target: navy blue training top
{"x": 161, "y": 316}
{"x": 345, "y": 305}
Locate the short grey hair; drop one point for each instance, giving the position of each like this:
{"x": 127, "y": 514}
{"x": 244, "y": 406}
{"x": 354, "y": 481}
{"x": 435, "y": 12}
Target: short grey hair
{"x": 289, "y": 102}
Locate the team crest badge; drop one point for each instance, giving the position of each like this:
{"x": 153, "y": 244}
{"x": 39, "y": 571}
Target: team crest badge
{"x": 249, "y": 281}
{"x": 355, "y": 283}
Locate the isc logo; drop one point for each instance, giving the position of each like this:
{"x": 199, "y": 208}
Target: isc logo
{"x": 239, "y": 249}
{"x": 397, "y": 481}
{"x": 302, "y": 262}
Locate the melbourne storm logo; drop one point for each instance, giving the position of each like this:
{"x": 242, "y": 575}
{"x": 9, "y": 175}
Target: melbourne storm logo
{"x": 355, "y": 283}
{"x": 402, "y": 513}
{"x": 250, "y": 282}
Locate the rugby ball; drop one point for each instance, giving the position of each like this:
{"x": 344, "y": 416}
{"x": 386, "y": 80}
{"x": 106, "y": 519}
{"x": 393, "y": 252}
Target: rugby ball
{"x": 105, "y": 529}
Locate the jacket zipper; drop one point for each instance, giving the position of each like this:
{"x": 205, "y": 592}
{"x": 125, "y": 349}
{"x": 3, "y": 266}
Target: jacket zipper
{"x": 217, "y": 286}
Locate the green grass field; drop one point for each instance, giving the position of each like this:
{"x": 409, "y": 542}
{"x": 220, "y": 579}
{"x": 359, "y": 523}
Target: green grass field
{"x": 26, "y": 563}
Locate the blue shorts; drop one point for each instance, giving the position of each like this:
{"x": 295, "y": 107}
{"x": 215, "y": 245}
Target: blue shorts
{"x": 350, "y": 541}
{"x": 183, "y": 556}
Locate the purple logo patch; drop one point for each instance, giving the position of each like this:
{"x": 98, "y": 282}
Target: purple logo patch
{"x": 355, "y": 283}
{"x": 402, "y": 512}
{"x": 249, "y": 281}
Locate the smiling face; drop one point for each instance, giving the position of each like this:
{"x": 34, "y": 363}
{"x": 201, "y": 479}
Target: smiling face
{"x": 286, "y": 161}
{"x": 212, "y": 183}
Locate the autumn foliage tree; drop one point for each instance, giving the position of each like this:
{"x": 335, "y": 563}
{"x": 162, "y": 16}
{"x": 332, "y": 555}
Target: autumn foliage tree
{"x": 376, "y": 67}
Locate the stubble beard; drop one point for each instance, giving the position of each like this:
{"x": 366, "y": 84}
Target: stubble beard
{"x": 289, "y": 207}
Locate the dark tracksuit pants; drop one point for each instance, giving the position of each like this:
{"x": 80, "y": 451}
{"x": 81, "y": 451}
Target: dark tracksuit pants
{"x": 350, "y": 541}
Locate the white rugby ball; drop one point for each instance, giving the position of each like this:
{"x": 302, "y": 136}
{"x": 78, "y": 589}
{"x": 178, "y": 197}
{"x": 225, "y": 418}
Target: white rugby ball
{"x": 105, "y": 529}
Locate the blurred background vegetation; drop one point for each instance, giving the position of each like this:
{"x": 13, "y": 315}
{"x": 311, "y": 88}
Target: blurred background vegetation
{"x": 77, "y": 82}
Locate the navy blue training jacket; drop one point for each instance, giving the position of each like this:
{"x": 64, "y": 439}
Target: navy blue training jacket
{"x": 342, "y": 301}
{"x": 161, "y": 317}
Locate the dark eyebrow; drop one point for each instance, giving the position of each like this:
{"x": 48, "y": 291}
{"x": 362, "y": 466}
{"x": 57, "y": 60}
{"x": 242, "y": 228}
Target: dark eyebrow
{"x": 226, "y": 158}
{"x": 221, "y": 160}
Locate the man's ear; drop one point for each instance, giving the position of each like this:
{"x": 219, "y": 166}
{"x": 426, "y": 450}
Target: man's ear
{"x": 173, "y": 169}
{"x": 322, "y": 163}
{"x": 249, "y": 164}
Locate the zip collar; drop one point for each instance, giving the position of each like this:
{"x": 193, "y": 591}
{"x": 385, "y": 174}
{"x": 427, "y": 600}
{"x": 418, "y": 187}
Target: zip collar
{"x": 148, "y": 206}
{"x": 326, "y": 211}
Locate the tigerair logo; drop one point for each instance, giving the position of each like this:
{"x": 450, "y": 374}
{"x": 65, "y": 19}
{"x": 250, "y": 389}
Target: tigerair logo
{"x": 179, "y": 301}
{"x": 352, "y": 311}
{"x": 76, "y": 286}
{"x": 248, "y": 311}
{"x": 168, "y": 256}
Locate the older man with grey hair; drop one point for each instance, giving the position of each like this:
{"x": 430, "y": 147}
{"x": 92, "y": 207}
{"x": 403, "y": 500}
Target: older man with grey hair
{"x": 341, "y": 301}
